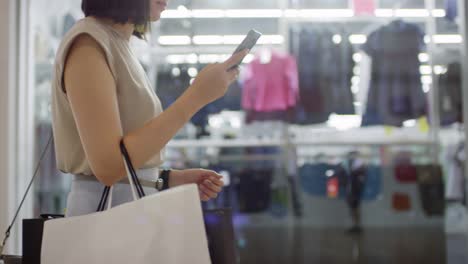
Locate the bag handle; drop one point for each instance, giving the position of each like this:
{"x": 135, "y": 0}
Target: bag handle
{"x": 135, "y": 185}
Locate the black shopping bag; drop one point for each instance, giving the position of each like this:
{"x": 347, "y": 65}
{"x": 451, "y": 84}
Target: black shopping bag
{"x": 32, "y": 238}
{"x": 220, "y": 234}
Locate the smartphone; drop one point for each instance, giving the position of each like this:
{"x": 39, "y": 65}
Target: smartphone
{"x": 248, "y": 43}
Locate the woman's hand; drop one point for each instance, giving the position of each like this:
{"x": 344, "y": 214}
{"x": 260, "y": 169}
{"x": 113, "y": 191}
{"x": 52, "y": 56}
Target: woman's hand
{"x": 209, "y": 182}
{"x": 214, "y": 80}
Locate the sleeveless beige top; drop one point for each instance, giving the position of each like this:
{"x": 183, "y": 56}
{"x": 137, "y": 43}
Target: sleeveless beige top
{"x": 138, "y": 103}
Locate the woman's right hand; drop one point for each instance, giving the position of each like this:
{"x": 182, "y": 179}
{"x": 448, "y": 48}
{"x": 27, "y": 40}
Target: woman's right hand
{"x": 214, "y": 80}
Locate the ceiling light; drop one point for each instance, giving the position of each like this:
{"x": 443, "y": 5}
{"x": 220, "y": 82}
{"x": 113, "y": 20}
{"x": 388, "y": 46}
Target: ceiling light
{"x": 358, "y": 39}
{"x": 207, "y": 13}
{"x": 257, "y": 13}
{"x": 174, "y": 40}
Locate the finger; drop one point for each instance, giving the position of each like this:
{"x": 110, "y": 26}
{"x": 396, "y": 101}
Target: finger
{"x": 208, "y": 192}
{"x": 233, "y": 74}
{"x": 235, "y": 59}
{"x": 217, "y": 181}
{"x": 211, "y": 186}
{"x": 203, "y": 196}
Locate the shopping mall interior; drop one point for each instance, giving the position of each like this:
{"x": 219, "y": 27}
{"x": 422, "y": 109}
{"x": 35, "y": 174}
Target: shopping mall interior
{"x": 341, "y": 141}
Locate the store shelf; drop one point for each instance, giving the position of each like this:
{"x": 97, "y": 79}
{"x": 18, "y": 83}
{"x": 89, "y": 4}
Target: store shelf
{"x": 338, "y": 142}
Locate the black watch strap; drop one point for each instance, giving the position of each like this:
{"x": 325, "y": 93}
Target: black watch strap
{"x": 163, "y": 181}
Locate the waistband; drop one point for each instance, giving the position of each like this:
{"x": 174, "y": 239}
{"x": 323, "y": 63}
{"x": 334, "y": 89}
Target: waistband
{"x": 147, "y": 177}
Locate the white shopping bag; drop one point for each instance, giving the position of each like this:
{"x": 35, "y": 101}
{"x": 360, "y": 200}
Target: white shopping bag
{"x": 164, "y": 228}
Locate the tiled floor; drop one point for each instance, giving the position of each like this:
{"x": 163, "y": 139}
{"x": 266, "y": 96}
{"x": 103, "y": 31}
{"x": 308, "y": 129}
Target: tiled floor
{"x": 334, "y": 246}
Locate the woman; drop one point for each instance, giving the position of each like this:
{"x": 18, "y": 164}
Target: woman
{"x": 102, "y": 95}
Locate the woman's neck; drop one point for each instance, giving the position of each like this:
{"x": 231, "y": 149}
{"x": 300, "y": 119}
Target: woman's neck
{"x": 125, "y": 30}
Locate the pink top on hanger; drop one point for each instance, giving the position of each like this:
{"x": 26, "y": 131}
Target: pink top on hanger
{"x": 272, "y": 86}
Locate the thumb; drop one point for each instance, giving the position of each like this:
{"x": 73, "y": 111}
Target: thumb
{"x": 235, "y": 59}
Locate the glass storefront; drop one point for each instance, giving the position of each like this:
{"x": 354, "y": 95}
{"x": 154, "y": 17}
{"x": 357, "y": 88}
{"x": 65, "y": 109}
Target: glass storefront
{"x": 342, "y": 141}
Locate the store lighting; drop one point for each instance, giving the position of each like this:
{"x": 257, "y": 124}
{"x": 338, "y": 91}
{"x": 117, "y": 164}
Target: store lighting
{"x": 233, "y": 39}
{"x": 358, "y": 39}
{"x": 183, "y": 12}
{"x": 409, "y": 123}
{"x": 174, "y": 40}
{"x": 175, "y": 14}
{"x": 192, "y": 58}
{"x": 357, "y": 57}
{"x": 271, "y": 40}
{"x": 192, "y": 72}
{"x": 355, "y": 80}
{"x": 427, "y": 79}
{"x": 326, "y": 13}
{"x": 355, "y": 89}
{"x": 175, "y": 59}
{"x": 357, "y": 70}
{"x": 175, "y": 72}
{"x": 423, "y": 57}
{"x": 344, "y": 122}
{"x": 291, "y": 13}
{"x": 337, "y": 39}
{"x": 208, "y": 58}
{"x": 426, "y": 88}
{"x": 425, "y": 70}
{"x": 207, "y": 13}
{"x": 448, "y": 39}
{"x": 208, "y": 40}
{"x": 384, "y": 13}
{"x": 254, "y": 13}
{"x": 439, "y": 70}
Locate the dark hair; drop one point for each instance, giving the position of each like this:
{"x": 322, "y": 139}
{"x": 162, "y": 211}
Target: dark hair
{"x": 120, "y": 11}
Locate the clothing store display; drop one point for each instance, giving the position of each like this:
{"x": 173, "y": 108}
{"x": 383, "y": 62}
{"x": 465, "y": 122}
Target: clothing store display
{"x": 254, "y": 190}
{"x": 431, "y": 189}
{"x": 451, "y": 9}
{"x": 325, "y": 85}
{"x": 133, "y": 88}
{"x": 373, "y": 187}
{"x": 364, "y": 7}
{"x": 169, "y": 88}
{"x": 450, "y": 95}
{"x": 405, "y": 171}
{"x": 353, "y": 174}
{"x": 313, "y": 178}
{"x": 401, "y": 202}
{"x": 365, "y": 75}
{"x": 270, "y": 86}
{"x": 395, "y": 91}
{"x": 455, "y": 183}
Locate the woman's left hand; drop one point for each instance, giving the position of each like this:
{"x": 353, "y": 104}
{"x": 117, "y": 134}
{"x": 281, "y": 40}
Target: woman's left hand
{"x": 209, "y": 182}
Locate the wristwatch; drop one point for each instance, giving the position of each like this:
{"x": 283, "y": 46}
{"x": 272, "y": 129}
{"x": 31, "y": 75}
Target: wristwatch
{"x": 162, "y": 183}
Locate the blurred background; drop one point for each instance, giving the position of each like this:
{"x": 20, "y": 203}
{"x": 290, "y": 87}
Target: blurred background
{"x": 342, "y": 141}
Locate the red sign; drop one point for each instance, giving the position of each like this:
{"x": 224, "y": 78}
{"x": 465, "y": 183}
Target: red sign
{"x": 364, "y": 7}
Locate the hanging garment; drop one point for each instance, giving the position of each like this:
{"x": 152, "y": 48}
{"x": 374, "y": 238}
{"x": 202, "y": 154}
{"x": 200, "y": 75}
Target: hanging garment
{"x": 455, "y": 184}
{"x": 170, "y": 87}
{"x": 271, "y": 86}
{"x": 405, "y": 171}
{"x": 431, "y": 189}
{"x": 450, "y": 95}
{"x": 451, "y": 9}
{"x": 401, "y": 202}
{"x": 395, "y": 92}
{"x": 325, "y": 67}
{"x": 254, "y": 190}
{"x": 313, "y": 178}
{"x": 373, "y": 184}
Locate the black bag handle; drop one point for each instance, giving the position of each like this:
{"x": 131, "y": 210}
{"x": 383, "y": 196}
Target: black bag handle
{"x": 134, "y": 177}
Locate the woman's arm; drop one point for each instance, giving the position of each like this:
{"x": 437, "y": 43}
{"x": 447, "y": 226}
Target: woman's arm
{"x": 91, "y": 91}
